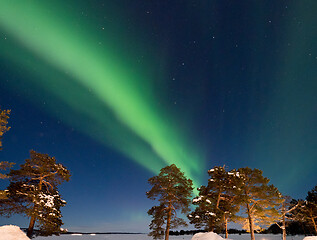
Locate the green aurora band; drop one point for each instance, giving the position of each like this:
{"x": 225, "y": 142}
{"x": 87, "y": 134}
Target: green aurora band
{"x": 105, "y": 97}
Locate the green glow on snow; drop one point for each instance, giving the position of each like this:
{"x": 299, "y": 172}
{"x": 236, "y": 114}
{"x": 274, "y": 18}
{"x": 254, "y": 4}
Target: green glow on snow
{"x": 65, "y": 50}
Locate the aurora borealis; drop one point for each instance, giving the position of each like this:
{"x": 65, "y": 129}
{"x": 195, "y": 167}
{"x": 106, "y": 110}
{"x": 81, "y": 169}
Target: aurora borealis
{"x": 108, "y": 80}
{"x": 117, "y": 90}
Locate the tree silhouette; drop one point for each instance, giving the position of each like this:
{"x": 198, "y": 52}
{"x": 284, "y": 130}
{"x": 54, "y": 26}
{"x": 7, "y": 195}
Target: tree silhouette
{"x": 34, "y": 190}
{"x": 258, "y": 199}
{"x": 173, "y": 191}
{"x": 218, "y": 202}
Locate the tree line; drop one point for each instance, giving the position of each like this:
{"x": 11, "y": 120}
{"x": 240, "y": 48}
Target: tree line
{"x": 241, "y": 195}
{"x": 33, "y": 188}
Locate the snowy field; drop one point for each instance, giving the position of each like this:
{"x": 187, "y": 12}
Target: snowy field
{"x": 11, "y": 232}
{"x": 145, "y": 237}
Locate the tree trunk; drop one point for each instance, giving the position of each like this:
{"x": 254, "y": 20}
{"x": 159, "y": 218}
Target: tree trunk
{"x": 168, "y": 222}
{"x": 210, "y": 226}
{"x": 284, "y": 224}
{"x": 226, "y": 227}
{"x": 314, "y": 223}
{"x": 31, "y": 226}
{"x": 218, "y": 199}
{"x": 33, "y": 219}
{"x": 250, "y": 222}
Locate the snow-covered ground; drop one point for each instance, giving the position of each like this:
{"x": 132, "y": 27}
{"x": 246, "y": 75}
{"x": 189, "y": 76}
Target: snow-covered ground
{"x": 10, "y": 232}
{"x": 311, "y": 238}
{"x": 145, "y": 237}
{"x": 14, "y": 233}
{"x": 207, "y": 236}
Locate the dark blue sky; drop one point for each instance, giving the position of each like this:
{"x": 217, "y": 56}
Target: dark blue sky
{"x": 234, "y": 82}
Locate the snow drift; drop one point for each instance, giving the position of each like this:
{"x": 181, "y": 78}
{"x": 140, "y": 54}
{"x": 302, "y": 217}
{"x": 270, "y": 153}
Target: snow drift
{"x": 10, "y": 232}
{"x": 207, "y": 236}
{"x": 310, "y": 238}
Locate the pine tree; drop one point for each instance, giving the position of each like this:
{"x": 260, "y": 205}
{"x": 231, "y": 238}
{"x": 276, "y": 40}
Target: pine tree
{"x": 173, "y": 191}
{"x": 217, "y": 202}
{"x": 311, "y": 207}
{"x": 4, "y": 116}
{"x": 307, "y": 212}
{"x": 4, "y": 165}
{"x": 285, "y": 210}
{"x": 34, "y": 191}
{"x": 258, "y": 199}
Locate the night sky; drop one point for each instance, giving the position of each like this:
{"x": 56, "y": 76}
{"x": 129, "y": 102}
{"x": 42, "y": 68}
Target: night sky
{"x": 116, "y": 90}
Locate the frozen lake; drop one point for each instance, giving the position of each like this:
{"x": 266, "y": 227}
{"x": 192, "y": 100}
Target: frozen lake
{"x": 145, "y": 237}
